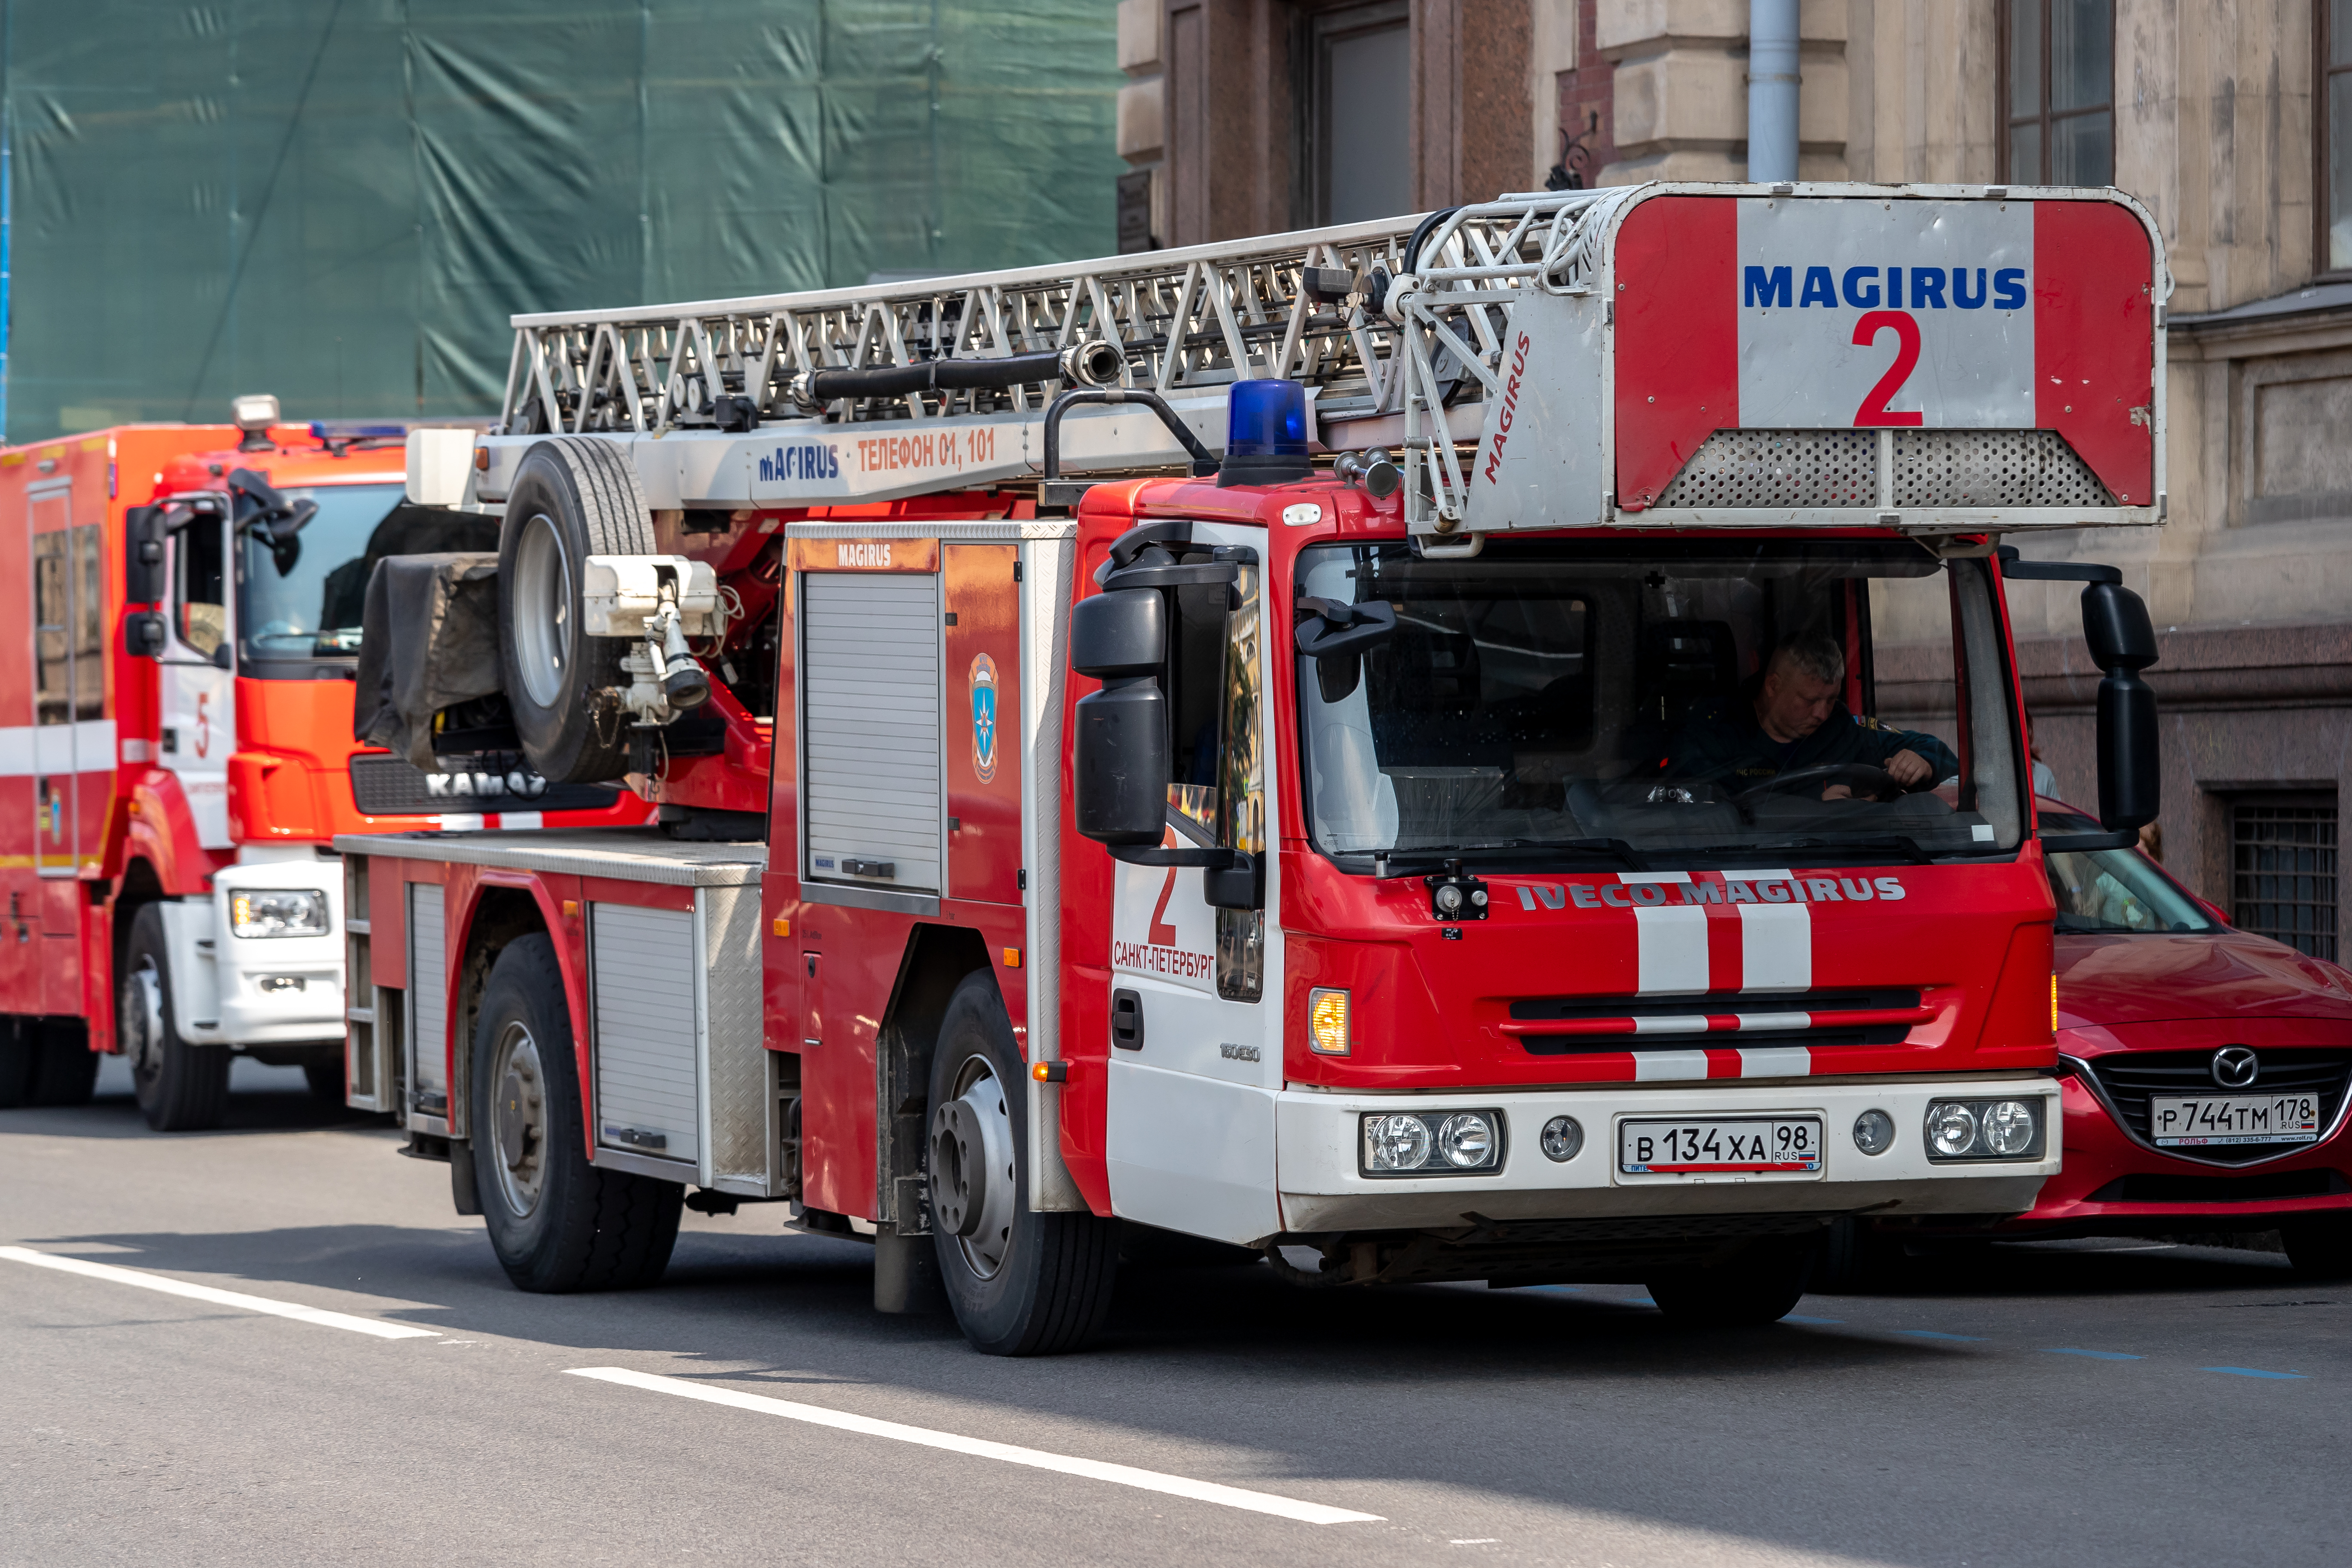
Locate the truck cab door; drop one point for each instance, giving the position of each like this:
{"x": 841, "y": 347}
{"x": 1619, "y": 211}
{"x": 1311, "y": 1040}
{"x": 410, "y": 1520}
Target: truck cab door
{"x": 196, "y": 695}
{"x": 1196, "y": 1055}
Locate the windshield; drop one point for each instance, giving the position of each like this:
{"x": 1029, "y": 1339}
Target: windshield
{"x": 301, "y": 600}
{"x": 2114, "y": 891}
{"x": 1657, "y": 703}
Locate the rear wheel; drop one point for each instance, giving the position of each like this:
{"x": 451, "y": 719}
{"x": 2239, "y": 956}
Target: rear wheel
{"x": 556, "y": 1222}
{"x": 19, "y": 1043}
{"x": 1762, "y": 1286}
{"x": 572, "y": 498}
{"x": 1021, "y": 1282}
{"x": 65, "y": 1069}
{"x": 325, "y": 1076}
{"x": 181, "y": 1087}
{"x": 2320, "y": 1249}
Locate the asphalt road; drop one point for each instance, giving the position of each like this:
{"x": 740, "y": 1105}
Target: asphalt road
{"x": 2075, "y": 1404}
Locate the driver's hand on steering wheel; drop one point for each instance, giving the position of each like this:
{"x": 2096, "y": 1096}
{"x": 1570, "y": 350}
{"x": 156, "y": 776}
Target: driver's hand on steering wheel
{"x": 1906, "y": 768}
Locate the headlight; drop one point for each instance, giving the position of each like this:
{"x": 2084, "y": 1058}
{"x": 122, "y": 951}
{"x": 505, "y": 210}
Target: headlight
{"x": 1436, "y": 1144}
{"x": 267, "y": 911}
{"x": 1984, "y": 1130}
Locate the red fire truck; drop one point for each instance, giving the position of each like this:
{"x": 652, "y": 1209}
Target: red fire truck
{"x": 1595, "y": 845}
{"x": 178, "y": 746}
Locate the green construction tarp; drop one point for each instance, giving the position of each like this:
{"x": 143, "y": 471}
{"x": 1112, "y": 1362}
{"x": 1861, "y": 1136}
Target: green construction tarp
{"x": 341, "y": 201}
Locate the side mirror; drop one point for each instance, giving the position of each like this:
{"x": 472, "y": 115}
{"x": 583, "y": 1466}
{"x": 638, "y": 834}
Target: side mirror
{"x": 1118, "y": 634}
{"x": 2123, "y": 643}
{"x": 142, "y": 634}
{"x": 143, "y": 555}
{"x": 224, "y": 657}
{"x": 1335, "y": 634}
{"x": 1121, "y": 762}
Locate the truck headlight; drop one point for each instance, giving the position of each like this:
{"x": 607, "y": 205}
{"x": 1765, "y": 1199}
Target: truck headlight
{"x": 1434, "y": 1142}
{"x": 1984, "y": 1130}
{"x": 273, "y": 912}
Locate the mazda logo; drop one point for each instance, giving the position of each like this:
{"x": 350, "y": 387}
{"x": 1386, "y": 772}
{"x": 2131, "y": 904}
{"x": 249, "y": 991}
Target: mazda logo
{"x": 2235, "y": 1067}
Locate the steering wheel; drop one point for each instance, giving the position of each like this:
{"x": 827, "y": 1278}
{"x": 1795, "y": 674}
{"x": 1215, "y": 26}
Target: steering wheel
{"x": 1864, "y": 780}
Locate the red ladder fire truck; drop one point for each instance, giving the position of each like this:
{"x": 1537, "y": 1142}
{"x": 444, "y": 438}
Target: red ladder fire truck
{"x": 1547, "y": 801}
{"x": 178, "y": 746}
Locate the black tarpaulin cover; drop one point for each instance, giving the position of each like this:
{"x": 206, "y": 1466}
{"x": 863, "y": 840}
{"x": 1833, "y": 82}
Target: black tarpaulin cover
{"x": 429, "y": 640}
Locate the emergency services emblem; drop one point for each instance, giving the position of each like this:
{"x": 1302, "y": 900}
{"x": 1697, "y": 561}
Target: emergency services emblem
{"x": 984, "y": 718}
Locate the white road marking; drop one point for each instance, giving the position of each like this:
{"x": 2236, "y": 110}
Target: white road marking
{"x": 146, "y": 1282}
{"x": 1093, "y": 1470}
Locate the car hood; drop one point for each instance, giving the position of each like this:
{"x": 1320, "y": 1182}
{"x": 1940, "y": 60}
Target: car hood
{"x": 2146, "y": 978}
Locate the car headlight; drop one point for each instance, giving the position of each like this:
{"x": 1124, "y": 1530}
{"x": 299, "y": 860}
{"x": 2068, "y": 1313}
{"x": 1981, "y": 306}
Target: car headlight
{"x": 1437, "y": 1143}
{"x": 1984, "y": 1130}
{"x": 273, "y": 911}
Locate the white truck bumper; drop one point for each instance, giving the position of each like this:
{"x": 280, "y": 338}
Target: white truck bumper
{"x": 260, "y": 991}
{"x": 1324, "y": 1187}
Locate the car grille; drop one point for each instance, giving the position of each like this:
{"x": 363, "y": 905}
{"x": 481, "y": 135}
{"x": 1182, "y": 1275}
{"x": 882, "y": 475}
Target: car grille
{"x": 2130, "y": 1079}
{"x": 1577, "y": 1026}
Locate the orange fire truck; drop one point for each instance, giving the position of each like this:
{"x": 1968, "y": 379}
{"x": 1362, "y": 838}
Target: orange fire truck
{"x": 176, "y": 727}
{"x": 1111, "y": 794}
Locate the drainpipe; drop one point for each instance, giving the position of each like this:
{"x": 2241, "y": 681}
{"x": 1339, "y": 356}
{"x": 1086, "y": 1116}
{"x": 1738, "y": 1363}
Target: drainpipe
{"x": 1771, "y": 90}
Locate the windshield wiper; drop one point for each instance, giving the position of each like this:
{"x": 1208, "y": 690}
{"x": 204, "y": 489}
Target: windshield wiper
{"x": 1437, "y": 855}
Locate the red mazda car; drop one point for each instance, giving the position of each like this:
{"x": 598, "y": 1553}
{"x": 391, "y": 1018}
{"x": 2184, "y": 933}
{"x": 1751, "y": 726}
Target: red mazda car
{"x": 2203, "y": 1074}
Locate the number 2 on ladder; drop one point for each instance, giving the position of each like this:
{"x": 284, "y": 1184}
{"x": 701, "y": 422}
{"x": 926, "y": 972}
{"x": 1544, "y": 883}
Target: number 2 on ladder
{"x": 1874, "y": 410}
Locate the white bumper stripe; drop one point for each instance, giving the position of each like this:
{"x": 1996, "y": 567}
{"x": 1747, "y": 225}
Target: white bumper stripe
{"x": 1776, "y": 943}
{"x": 1662, "y": 1066}
{"x": 1776, "y": 1061}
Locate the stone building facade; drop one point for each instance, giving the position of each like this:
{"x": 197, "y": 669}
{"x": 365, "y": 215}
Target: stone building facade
{"x": 2233, "y": 122}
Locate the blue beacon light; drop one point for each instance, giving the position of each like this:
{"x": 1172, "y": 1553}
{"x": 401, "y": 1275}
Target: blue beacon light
{"x": 1266, "y": 434}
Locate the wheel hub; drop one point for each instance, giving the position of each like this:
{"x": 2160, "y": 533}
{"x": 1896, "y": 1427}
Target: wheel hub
{"x": 973, "y": 1180}
{"x": 542, "y": 610}
{"x": 519, "y": 1120}
{"x": 143, "y": 1014}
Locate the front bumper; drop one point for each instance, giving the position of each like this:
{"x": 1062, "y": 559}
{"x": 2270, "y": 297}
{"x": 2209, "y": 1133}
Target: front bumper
{"x": 1322, "y": 1188}
{"x": 2104, "y": 1164}
{"x": 276, "y": 991}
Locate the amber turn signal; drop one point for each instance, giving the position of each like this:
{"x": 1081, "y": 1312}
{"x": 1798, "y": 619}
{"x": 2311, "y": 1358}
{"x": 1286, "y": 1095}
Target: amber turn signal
{"x": 1050, "y": 1072}
{"x": 1326, "y": 1022}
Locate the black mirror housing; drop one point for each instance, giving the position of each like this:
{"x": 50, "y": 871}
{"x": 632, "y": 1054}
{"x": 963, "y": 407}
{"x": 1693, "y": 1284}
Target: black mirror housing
{"x": 2116, "y": 624}
{"x": 2123, "y": 643}
{"x": 142, "y": 634}
{"x": 1121, "y": 764}
{"x": 143, "y": 555}
{"x": 1118, "y": 634}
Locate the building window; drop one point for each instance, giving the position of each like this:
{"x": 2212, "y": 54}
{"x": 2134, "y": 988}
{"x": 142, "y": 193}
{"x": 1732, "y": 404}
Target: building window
{"x": 2283, "y": 870}
{"x": 1357, "y": 85}
{"x": 2057, "y": 87}
{"x": 2334, "y": 123}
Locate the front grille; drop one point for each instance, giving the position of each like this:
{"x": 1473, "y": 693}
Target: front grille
{"x": 1839, "y": 468}
{"x": 2270, "y": 1188}
{"x": 2131, "y": 1077}
{"x": 387, "y": 786}
{"x": 1575, "y": 1026}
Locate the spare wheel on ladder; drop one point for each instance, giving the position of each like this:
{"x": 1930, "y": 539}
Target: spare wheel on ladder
{"x": 573, "y": 497}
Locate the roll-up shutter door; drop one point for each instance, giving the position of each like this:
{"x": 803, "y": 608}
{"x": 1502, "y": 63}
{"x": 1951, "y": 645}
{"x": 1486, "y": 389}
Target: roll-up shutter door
{"x": 642, "y": 967}
{"x": 869, "y": 680}
{"x": 428, "y": 1010}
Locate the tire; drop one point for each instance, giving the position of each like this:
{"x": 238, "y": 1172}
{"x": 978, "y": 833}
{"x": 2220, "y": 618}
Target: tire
{"x": 1020, "y": 1283}
{"x": 181, "y": 1087}
{"x": 65, "y": 1069}
{"x": 325, "y": 1077}
{"x": 2320, "y": 1249}
{"x": 1762, "y": 1287}
{"x": 557, "y": 1223}
{"x": 573, "y": 497}
{"x": 19, "y": 1044}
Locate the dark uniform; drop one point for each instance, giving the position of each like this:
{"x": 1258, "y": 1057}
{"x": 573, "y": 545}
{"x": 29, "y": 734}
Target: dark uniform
{"x": 1720, "y": 739}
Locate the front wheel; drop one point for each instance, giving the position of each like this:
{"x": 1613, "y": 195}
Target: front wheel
{"x": 556, "y": 1222}
{"x": 1762, "y": 1286}
{"x": 181, "y": 1087}
{"x": 2320, "y": 1249}
{"x": 1021, "y": 1282}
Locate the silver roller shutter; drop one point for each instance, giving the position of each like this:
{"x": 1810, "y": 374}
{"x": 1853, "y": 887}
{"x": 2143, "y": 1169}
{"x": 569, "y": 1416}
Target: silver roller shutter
{"x": 642, "y": 967}
{"x": 869, "y": 683}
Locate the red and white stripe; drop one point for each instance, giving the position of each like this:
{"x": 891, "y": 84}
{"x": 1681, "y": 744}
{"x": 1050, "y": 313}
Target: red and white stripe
{"x": 1691, "y": 949}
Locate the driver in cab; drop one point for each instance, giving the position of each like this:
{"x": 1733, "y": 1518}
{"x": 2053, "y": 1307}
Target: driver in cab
{"x": 1793, "y": 718}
